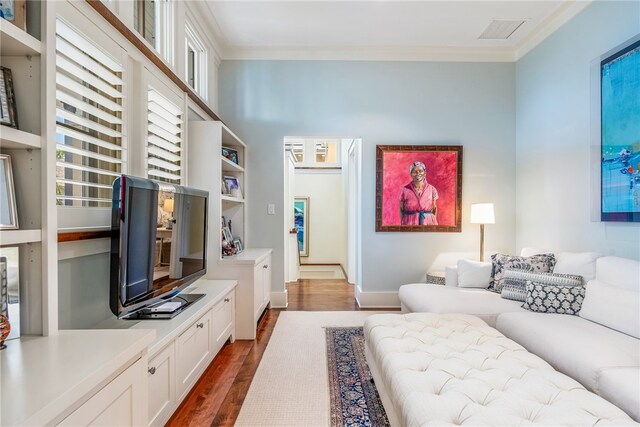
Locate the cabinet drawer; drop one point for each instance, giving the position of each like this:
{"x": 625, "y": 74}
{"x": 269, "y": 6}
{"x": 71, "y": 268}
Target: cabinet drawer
{"x": 222, "y": 315}
{"x": 193, "y": 352}
{"x": 161, "y": 379}
{"x": 122, "y": 402}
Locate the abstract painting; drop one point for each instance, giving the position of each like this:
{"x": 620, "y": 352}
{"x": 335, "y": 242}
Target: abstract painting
{"x": 620, "y": 135}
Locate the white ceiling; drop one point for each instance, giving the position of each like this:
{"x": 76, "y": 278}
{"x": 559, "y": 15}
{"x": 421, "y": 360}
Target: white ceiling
{"x": 381, "y": 29}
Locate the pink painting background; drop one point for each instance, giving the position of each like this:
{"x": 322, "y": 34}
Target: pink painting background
{"x": 441, "y": 173}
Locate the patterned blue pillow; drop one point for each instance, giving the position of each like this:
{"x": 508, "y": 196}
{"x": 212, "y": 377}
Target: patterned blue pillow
{"x": 553, "y": 299}
{"x": 515, "y": 282}
{"x": 542, "y": 263}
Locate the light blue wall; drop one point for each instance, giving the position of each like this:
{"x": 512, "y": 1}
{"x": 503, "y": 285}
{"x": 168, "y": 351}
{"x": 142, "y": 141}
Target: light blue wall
{"x": 472, "y": 104}
{"x": 83, "y": 291}
{"x": 555, "y": 148}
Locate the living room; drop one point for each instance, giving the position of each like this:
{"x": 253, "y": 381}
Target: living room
{"x": 526, "y": 112}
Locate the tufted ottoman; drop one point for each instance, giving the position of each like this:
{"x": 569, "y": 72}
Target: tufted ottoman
{"x": 453, "y": 369}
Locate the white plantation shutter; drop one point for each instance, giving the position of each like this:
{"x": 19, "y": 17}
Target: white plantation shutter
{"x": 89, "y": 109}
{"x": 164, "y": 138}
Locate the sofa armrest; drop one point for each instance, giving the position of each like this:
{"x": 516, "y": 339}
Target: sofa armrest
{"x": 451, "y": 275}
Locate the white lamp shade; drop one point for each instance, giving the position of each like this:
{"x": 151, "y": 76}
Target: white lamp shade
{"x": 168, "y": 205}
{"x": 482, "y": 213}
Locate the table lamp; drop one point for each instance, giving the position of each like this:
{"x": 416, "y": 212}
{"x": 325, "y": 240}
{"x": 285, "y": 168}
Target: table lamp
{"x": 168, "y": 207}
{"x": 482, "y": 213}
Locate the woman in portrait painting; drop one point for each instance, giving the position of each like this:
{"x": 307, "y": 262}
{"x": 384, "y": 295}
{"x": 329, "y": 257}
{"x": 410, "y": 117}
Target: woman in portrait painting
{"x": 418, "y": 199}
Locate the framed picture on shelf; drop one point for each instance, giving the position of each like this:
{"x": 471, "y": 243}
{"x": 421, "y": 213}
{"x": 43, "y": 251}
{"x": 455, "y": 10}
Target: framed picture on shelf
{"x": 15, "y": 11}
{"x": 226, "y": 235}
{"x": 233, "y": 188}
{"x": 230, "y": 154}
{"x": 238, "y": 245}
{"x": 419, "y": 188}
{"x": 8, "y": 210}
{"x": 8, "y": 112}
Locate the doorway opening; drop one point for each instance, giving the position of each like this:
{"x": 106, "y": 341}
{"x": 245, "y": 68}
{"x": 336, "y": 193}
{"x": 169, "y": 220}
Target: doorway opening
{"x": 322, "y": 205}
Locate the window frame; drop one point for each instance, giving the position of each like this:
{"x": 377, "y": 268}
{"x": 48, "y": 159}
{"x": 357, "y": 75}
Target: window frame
{"x": 195, "y": 42}
{"x": 70, "y": 217}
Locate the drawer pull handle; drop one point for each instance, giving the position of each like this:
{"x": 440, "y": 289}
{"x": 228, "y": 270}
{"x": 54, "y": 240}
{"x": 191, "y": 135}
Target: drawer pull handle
{"x": 152, "y": 370}
{"x": 265, "y": 266}
{"x": 227, "y": 299}
{"x": 200, "y": 325}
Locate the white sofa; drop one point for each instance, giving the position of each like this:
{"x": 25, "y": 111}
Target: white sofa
{"x": 600, "y": 348}
{"x": 453, "y": 369}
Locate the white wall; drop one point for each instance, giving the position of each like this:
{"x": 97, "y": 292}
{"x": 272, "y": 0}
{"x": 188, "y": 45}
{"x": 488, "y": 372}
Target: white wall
{"x": 327, "y": 216}
{"x": 555, "y": 137}
{"x": 472, "y": 104}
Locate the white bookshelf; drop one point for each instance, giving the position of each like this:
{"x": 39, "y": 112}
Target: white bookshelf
{"x": 207, "y": 169}
{"x": 11, "y": 138}
{"x": 18, "y": 237}
{"x": 32, "y": 65}
{"x": 16, "y": 42}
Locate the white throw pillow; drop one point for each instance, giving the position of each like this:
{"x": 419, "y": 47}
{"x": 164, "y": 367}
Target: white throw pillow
{"x": 451, "y": 275}
{"x": 527, "y": 252}
{"x": 474, "y": 274}
{"x": 611, "y": 306}
{"x": 579, "y": 263}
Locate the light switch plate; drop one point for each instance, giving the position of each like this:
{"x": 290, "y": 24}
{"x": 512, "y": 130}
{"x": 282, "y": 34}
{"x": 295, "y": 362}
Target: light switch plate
{"x": 271, "y": 209}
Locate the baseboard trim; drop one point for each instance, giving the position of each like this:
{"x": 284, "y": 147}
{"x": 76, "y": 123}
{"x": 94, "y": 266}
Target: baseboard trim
{"x": 377, "y": 299}
{"x": 279, "y": 299}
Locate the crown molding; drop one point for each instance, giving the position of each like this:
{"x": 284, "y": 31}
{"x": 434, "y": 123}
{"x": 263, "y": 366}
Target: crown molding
{"x": 435, "y": 54}
{"x": 563, "y": 15}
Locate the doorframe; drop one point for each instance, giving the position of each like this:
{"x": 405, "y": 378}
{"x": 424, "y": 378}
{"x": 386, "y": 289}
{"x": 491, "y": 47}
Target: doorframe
{"x": 353, "y": 178}
{"x": 354, "y": 213}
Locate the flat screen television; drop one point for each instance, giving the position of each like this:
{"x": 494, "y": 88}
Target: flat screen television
{"x": 158, "y": 246}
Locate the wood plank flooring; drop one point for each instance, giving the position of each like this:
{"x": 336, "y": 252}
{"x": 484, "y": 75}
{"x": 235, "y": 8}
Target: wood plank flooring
{"x": 218, "y": 396}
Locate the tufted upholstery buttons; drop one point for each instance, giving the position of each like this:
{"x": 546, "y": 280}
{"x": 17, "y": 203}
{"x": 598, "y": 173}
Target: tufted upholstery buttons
{"x": 454, "y": 369}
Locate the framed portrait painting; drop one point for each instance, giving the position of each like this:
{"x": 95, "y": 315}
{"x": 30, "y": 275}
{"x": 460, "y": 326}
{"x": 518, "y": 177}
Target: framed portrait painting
{"x": 419, "y": 188}
{"x": 620, "y": 135}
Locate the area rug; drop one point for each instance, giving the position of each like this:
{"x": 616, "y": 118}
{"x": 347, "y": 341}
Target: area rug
{"x": 291, "y": 384}
{"x": 354, "y": 398}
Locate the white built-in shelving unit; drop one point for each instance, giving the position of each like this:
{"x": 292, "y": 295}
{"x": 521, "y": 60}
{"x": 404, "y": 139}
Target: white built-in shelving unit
{"x": 251, "y": 268}
{"x": 207, "y": 169}
{"x": 26, "y": 56}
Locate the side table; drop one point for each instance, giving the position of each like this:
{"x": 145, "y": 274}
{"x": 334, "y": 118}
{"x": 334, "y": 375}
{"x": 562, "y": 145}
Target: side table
{"x": 435, "y": 277}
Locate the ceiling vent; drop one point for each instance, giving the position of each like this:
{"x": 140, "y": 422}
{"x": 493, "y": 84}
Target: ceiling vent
{"x": 501, "y": 29}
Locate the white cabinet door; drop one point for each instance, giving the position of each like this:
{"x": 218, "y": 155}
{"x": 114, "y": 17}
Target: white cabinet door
{"x": 222, "y": 315}
{"x": 161, "y": 381}
{"x": 122, "y": 402}
{"x": 266, "y": 281}
{"x": 193, "y": 353}
{"x": 258, "y": 292}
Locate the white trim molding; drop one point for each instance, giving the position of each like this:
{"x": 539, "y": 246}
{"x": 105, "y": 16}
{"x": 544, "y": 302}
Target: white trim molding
{"x": 279, "y": 299}
{"x": 377, "y": 299}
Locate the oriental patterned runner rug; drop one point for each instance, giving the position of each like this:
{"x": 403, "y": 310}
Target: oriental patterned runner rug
{"x": 354, "y": 398}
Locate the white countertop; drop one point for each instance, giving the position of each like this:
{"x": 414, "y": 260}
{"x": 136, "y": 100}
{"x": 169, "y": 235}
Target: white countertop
{"x": 167, "y": 329}
{"x": 248, "y": 256}
{"x": 41, "y": 376}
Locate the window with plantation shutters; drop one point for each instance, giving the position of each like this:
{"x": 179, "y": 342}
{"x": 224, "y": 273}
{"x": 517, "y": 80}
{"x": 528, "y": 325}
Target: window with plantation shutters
{"x": 164, "y": 138}
{"x": 89, "y": 120}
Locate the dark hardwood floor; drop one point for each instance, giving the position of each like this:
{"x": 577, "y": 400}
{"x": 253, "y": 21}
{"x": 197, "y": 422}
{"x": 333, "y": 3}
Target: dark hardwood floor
{"x": 218, "y": 396}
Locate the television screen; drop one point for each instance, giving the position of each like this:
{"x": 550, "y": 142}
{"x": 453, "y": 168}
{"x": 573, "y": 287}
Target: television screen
{"x": 620, "y": 135}
{"x": 158, "y": 242}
